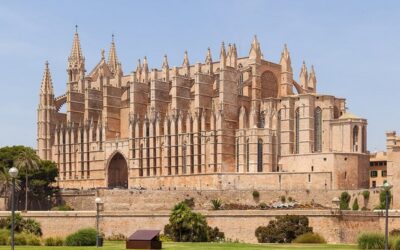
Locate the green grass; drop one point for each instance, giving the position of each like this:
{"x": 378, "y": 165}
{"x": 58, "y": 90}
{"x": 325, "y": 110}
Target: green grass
{"x": 201, "y": 246}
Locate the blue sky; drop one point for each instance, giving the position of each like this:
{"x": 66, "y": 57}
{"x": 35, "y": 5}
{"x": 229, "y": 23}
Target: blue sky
{"x": 354, "y": 46}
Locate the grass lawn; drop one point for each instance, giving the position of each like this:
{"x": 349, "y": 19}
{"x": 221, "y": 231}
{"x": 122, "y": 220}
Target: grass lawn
{"x": 201, "y": 246}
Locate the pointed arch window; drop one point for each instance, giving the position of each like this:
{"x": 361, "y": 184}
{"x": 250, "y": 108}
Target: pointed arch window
{"x": 237, "y": 155}
{"x": 318, "y": 129}
{"x": 262, "y": 120}
{"x": 247, "y": 156}
{"x": 355, "y": 139}
{"x": 297, "y": 131}
{"x": 260, "y": 155}
{"x": 184, "y": 158}
{"x": 240, "y": 84}
{"x": 364, "y": 139}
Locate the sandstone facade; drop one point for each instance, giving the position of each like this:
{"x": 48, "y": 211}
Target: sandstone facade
{"x": 239, "y": 119}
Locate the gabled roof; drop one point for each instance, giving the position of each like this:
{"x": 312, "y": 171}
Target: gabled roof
{"x": 144, "y": 235}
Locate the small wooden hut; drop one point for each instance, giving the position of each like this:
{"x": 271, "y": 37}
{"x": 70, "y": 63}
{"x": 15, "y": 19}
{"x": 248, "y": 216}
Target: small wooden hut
{"x": 144, "y": 239}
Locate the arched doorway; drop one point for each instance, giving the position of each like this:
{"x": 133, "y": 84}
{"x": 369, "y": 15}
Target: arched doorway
{"x": 118, "y": 172}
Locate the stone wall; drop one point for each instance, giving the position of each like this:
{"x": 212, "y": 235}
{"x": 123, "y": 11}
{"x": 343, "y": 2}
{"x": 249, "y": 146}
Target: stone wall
{"x": 336, "y": 227}
{"x": 159, "y": 200}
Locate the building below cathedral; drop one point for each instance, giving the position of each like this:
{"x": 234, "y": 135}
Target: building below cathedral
{"x": 239, "y": 122}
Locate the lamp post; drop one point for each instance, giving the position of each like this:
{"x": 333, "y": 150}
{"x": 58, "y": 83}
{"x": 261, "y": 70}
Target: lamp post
{"x": 13, "y": 173}
{"x": 386, "y": 188}
{"x": 98, "y": 202}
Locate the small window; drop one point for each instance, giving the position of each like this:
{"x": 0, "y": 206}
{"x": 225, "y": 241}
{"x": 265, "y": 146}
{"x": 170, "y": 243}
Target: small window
{"x": 345, "y": 158}
{"x": 374, "y": 173}
{"x": 324, "y": 159}
{"x": 309, "y": 178}
{"x": 312, "y": 168}
{"x": 384, "y": 173}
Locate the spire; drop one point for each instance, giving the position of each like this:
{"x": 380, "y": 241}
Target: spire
{"x": 304, "y": 76}
{"x": 312, "y": 79}
{"x": 47, "y": 85}
{"x": 208, "y": 61}
{"x": 286, "y": 62}
{"x": 255, "y": 50}
{"x": 165, "y": 62}
{"x": 185, "y": 64}
{"x": 112, "y": 57}
{"x": 185, "y": 60}
{"x": 165, "y": 69}
{"x": 229, "y": 55}
{"x": 222, "y": 56}
{"x": 145, "y": 70}
{"x": 208, "y": 57}
{"x": 76, "y": 52}
{"x": 234, "y": 56}
{"x": 138, "y": 70}
{"x": 145, "y": 65}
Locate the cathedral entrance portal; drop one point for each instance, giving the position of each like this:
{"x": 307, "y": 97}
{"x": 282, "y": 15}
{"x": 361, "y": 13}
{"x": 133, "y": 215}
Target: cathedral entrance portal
{"x": 118, "y": 172}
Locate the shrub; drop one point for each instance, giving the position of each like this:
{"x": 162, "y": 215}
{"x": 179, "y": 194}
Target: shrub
{"x": 263, "y": 205}
{"x": 215, "y": 235}
{"x": 53, "y": 241}
{"x": 63, "y": 207}
{"x": 382, "y": 199}
{"x": 21, "y": 225}
{"x": 4, "y": 235}
{"x": 189, "y": 202}
{"x": 355, "y": 205}
{"x": 165, "y": 238}
{"x": 19, "y": 240}
{"x": 344, "y": 201}
{"x": 283, "y": 199}
{"x": 256, "y": 195}
{"x": 394, "y": 243}
{"x": 310, "y": 238}
{"x": 371, "y": 241}
{"x": 284, "y": 229}
{"x": 116, "y": 237}
{"x": 216, "y": 204}
{"x": 187, "y": 226}
{"x": 83, "y": 237}
{"x": 31, "y": 226}
{"x": 365, "y": 194}
{"x": 395, "y": 232}
{"x": 31, "y": 239}
{"x": 290, "y": 199}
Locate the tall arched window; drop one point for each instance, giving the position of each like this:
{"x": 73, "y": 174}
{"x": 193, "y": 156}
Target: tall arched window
{"x": 262, "y": 120}
{"x": 260, "y": 155}
{"x": 240, "y": 84}
{"x": 237, "y": 155}
{"x": 297, "y": 131}
{"x": 141, "y": 160}
{"x": 278, "y": 132}
{"x": 355, "y": 139}
{"x": 184, "y": 158}
{"x": 364, "y": 139}
{"x": 247, "y": 155}
{"x": 336, "y": 112}
{"x": 318, "y": 129}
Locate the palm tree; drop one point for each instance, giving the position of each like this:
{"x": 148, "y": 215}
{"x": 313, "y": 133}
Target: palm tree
{"x": 6, "y": 183}
{"x": 26, "y": 161}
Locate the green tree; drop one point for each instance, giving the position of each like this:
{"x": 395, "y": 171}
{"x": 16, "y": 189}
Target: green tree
{"x": 382, "y": 199}
{"x": 188, "y": 226}
{"x": 284, "y": 229}
{"x": 39, "y": 180}
{"x": 6, "y": 183}
{"x": 355, "y": 205}
{"x": 27, "y": 161}
{"x": 344, "y": 201}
